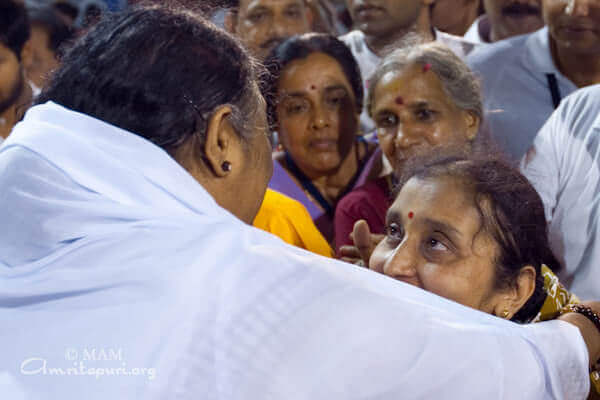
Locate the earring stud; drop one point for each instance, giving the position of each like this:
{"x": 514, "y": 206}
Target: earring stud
{"x": 226, "y": 166}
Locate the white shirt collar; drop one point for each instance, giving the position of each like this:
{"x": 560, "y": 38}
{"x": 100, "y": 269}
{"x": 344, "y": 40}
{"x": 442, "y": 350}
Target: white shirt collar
{"x": 537, "y": 55}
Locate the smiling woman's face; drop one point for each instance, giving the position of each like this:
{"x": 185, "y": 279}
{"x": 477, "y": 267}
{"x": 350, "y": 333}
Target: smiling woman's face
{"x": 413, "y": 113}
{"x": 316, "y": 114}
{"x": 434, "y": 240}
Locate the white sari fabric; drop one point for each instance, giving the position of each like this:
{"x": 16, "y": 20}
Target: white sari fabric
{"x": 121, "y": 278}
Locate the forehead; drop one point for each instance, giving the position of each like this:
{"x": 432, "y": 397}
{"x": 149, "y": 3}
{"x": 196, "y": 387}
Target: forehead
{"x": 410, "y": 83}
{"x": 502, "y": 3}
{"x": 442, "y": 199}
{"x": 247, "y": 5}
{"x": 318, "y": 70}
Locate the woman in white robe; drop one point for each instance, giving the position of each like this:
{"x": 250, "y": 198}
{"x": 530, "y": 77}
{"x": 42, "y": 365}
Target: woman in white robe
{"x": 128, "y": 269}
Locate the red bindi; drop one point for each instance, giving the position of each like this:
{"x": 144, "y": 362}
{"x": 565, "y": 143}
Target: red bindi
{"x": 411, "y": 215}
{"x": 313, "y": 87}
{"x": 426, "y": 67}
{"x": 399, "y": 100}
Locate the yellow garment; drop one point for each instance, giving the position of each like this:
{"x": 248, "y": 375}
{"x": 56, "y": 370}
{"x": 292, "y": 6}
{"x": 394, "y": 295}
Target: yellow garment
{"x": 288, "y": 219}
{"x": 557, "y": 298}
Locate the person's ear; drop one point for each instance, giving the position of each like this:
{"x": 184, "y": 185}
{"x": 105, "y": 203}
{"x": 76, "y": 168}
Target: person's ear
{"x": 472, "y": 123}
{"x": 517, "y": 295}
{"x": 27, "y": 55}
{"x": 220, "y": 142}
{"x": 231, "y": 21}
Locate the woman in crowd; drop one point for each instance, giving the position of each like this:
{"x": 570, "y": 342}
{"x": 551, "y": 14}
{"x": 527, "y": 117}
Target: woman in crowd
{"x": 472, "y": 229}
{"x": 420, "y": 97}
{"x": 314, "y": 98}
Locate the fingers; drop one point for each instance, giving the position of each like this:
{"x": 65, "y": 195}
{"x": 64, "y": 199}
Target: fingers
{"x": 349, "y": 251}
{"x": 362, "y": 240}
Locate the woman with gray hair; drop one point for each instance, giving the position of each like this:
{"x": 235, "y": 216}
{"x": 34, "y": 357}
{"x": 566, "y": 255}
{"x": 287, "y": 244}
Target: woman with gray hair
{"x": 419, "y": 97}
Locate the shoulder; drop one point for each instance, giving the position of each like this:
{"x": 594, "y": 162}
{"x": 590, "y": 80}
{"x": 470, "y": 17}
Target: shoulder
{"x": 577, "y": 114}
{"x": 499, "y": 53}
{"x": 369, "y": 195}
{"x": 278, "y": 203}
{"x": 355, "y": 40}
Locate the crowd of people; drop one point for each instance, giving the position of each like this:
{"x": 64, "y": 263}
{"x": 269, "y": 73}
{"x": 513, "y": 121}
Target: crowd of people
{"x": 341, "y": 199}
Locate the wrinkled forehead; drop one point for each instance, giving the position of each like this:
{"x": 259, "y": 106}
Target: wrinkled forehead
{"x": 248, "y": 5}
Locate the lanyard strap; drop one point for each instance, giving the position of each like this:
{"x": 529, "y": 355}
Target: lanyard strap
{"x": 554, "y": 90}
{"x": 308, "y": 185}
{"x": 312, "y": 189}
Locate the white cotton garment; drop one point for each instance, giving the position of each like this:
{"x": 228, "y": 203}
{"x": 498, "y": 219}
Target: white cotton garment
{"x": 564, "y": 167}
{"x": 517, "y": 94}
{"x": 121, "y": 278}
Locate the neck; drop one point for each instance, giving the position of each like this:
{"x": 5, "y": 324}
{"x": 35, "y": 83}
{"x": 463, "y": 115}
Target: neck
{"x": 422, "y": 27}
{"x": 331, "y": 186}
{"x": 581, "y": 69}
{"x": 7, "y": 121}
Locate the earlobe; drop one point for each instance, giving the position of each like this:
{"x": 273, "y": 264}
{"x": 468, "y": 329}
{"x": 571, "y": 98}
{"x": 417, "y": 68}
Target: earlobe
{"x": 519, "y": 293}
{"x": 27, "y": 55}
{"x": 472, "y": 123}
{"x": 218, "y": 142}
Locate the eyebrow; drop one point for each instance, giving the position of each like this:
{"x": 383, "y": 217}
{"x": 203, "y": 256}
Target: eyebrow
{"x": 434, "y": 224}
{"x": 258, "y": 8}
{"x": 301, "y": 93}
{"x": 442, "y": 226}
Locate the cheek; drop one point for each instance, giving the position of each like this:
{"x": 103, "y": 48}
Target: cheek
{"x": 9, "y": 75}
{"x": 446, "y": 282}
{"x": 379, "y": 257}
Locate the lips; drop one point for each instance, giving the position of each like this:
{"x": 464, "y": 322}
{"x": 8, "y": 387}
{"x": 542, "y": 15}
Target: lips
{"x": 365, "y": 10}
{"x": 324, "y": 145}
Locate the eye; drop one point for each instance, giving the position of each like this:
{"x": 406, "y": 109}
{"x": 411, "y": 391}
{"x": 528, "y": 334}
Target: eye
{"x": 295, "y": 107}
{"x": 387, "y": 121}
{"x": 394, "y": 232}
{"x": 436, "y": 245}
{"x": 425, "y": 114}
{"x": 334, "y": 101}
{"x": 293, "y": 13}
{"x": 257, "y": 17}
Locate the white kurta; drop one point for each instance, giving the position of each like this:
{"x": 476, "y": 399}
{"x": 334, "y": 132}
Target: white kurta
{"x": 564, "y": 167}
{"x": 112, "y": 257}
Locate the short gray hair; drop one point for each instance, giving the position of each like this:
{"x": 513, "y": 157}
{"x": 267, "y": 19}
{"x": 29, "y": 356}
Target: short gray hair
{"x": 459, "y": 82}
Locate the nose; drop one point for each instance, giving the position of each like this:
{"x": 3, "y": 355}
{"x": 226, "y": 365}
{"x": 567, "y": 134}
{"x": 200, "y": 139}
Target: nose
{"x": 579, "y": 8}
{"x": 402, "y": 262}
{"x": 320, "y": 118}
{"x": 405, "y": 137}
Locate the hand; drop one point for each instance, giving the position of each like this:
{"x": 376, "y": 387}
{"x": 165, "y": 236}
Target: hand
{"x": 589, "y": 331}
{"x": 364, "y": 244}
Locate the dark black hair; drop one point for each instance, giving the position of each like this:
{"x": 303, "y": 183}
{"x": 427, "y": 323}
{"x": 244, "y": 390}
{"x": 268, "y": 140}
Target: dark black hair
{"x": 510, "y": 208}
{"x": 14, "y": 26}
{"x": 157, "y": 72}
{"x": 300, "y": 47}
{"x": 47, "y": 16}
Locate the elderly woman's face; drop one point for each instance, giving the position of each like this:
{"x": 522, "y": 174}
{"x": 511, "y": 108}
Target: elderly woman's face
{"x": 316, "y": 114}
{"x": 413, "y": 113}
{"x": 434, "y": 241}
